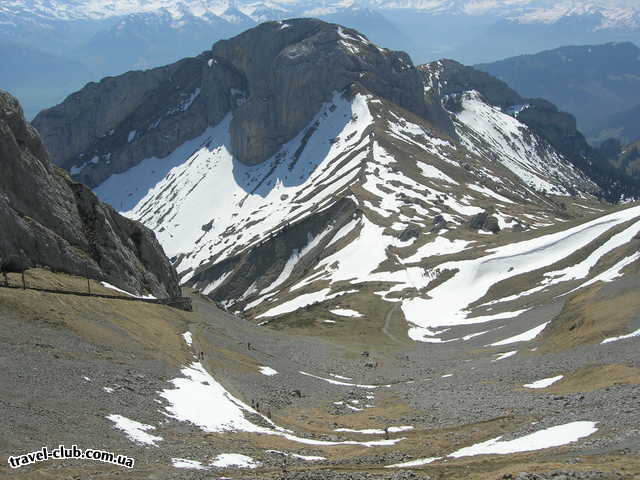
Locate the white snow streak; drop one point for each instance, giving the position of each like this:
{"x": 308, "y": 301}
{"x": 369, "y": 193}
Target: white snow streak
{"x": 544, "y": 383}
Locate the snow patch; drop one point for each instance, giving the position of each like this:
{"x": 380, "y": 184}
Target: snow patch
{"x": 540, "y": 440}
{"x": 502, "y": 356}
{"x": 237, "y": 460}
{"x": 544, "y": 383}
{"x": 267, "y": 371}
{"x": 187, "y": 464}
{"x": 135, "y": 431}
{"x": 523, "y": 337}
{"x": 345, "y": 312}
{"x": 622, "y": 337}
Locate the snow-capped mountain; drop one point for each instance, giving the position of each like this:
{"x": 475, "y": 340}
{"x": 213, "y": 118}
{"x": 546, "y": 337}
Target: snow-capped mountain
{"x": 611, "y": 15}
{"x": 294, "y": 192}
{"x": 617, "y": 13}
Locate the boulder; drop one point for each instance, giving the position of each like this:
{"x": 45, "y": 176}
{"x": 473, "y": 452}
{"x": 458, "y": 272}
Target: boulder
{"x": 412, "y": 231}
{"x": 485, "y": 221}
{"x": 438, "y": 223}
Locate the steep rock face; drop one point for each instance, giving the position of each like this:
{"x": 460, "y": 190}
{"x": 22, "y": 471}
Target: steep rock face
{"x": 560, "y": 128}
{"x": 274, "y": 78}
{"x": 292, "y": 68}
{"x": 449, "y": 79}
{"x": 49, "y": 220}
{"x": 110, "y": 126}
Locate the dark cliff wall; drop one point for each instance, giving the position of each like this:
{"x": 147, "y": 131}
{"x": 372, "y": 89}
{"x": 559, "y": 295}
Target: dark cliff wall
{"x": 47, "y": 219}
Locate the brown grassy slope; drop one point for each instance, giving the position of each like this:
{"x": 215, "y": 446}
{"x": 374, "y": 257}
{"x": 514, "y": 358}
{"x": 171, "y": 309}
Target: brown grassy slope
{"x": 590, "y": 316}
{"x": 596, "y": 377}
{"x": 153, "y": 330}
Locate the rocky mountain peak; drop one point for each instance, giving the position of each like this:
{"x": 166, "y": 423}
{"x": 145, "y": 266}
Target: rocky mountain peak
{"x": 274, "y": 78}
{"x": 290, "y": 68}
{"x": 24, "y": 135}
{"x": 446, "y": 77}
{"x": 446, "y": 82}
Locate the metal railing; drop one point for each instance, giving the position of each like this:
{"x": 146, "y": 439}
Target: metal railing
{"x": 182, "y": 303}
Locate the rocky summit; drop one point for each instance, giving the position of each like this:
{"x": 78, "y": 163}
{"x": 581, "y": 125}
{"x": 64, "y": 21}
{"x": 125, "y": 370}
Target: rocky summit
{"x": 49, "y": 220}
{"x": 274, "y": 78}
{"x": 397, "y": 272}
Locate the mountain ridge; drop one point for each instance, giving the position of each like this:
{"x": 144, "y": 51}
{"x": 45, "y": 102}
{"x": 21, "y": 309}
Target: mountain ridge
{"x": 525, "y": 11}
{"x": 226, "y": 64}
{"x": 107, "y": 38}
{"x": 416, "y": 182}
{"x": 261, "y": 122}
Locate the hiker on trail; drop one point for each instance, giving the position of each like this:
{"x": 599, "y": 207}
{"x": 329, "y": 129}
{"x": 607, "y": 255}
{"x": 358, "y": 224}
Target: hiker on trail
{"x": 248, "y": 345}
{"x": 386, "y": 433}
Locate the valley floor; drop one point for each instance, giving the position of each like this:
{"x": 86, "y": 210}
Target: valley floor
{"x": 334, "y": 405}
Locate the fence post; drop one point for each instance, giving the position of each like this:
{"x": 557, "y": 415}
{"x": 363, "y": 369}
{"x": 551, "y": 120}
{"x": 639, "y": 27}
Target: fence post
{"x": 24, "y": 283}
{"x": 88, "y": 282}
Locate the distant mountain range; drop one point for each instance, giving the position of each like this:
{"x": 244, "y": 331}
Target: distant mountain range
{"x": 99, "y": 38}
{"x": 614, "y": 13}
{"x": 596, "y": 83}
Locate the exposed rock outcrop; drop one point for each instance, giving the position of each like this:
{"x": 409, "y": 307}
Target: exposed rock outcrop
{"x": 110, "y": 126}
{"x": 447, "y": 77}
{"x": 48, "y": 220}
{"x": 485, "y": 221}
{"x": 450, "y": 78}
